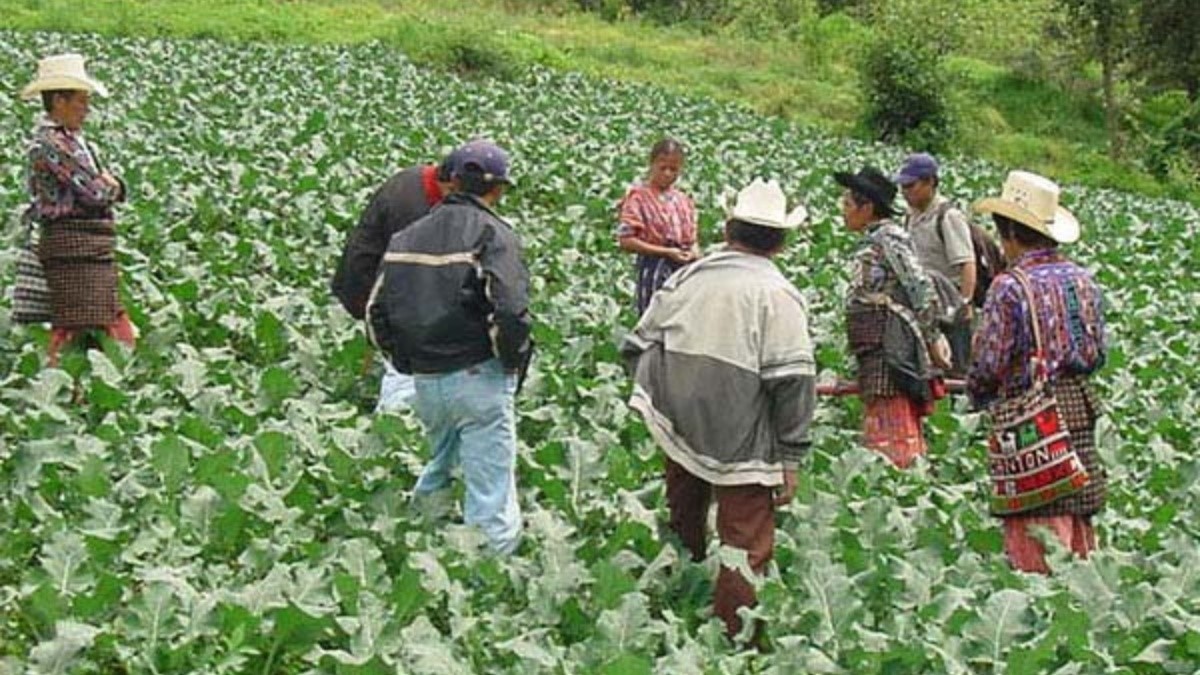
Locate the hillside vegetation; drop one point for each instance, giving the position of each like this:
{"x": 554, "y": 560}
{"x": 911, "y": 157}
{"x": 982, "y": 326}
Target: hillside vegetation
{"x": 1019, "y": 92}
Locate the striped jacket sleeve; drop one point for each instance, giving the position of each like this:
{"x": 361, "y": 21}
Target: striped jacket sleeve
{"x": 788, "y": 372}
{"x": 506, "y": 284}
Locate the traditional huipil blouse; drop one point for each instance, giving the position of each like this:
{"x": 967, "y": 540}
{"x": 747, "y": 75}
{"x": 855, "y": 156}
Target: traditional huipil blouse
{"x": 884, "y": 266}
{"x": 74, "y": 207}
{"x": 1071, "y": 314}
{"x": 662, "y": 218}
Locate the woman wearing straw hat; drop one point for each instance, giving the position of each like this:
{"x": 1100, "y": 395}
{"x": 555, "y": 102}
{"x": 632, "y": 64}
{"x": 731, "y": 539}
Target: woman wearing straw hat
{"x": 72, "y": 197}
{"x": 1047, "y": 307}
{"x": 891, "y": 318}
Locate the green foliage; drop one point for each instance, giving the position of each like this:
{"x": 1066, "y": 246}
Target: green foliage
{"x": 905, "y": 89}
{"x": 1170, "y": 126}
{"x": 904, "y": 77}
{"x": 803, "y": 70}
{"x": 228, "y": 504}
{"x": 1168, "y": 52}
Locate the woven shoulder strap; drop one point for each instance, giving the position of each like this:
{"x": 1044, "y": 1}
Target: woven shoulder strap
{"x": 1022, "y": 280}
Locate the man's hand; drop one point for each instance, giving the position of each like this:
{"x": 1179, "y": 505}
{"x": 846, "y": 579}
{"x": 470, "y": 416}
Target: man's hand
{"x": 784, "y": 493}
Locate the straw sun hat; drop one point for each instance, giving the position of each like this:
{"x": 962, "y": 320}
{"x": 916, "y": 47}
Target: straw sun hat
{"x": 62, "y": 71}
{"x": 763, "y": 203}
{"x": 1032, "y": 201}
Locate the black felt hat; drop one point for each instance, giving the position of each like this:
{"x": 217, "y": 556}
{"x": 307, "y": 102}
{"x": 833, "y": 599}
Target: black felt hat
{"x": 872, "y": 184}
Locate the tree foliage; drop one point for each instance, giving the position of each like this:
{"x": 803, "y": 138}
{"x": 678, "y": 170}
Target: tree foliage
{"x": 904, "y": 78}
{"x": 1168, "y": 50}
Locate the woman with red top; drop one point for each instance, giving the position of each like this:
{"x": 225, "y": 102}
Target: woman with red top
{"x": 658, "y": 222}
{"x": 72, "y": 198}
{"x": 1068, "y": 309}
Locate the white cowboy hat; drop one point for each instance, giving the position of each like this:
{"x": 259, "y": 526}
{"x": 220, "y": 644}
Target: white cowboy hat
{"x": 1032, "y": 200}
{"x": 62, "y": 71}
{"x": 763, "y": 203}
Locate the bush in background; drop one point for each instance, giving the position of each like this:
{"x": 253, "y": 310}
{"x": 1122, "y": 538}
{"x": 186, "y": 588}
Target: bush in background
{"x": 904, "y": 77}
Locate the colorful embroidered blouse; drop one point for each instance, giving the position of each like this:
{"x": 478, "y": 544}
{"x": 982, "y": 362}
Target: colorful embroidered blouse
{"x": 64, "y": 178}
{"x": 660, "y": 218}
{"x": 1070, "y": 309}
{"x": 886, "y": 265}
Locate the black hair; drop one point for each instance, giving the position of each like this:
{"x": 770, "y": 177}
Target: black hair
{"x": 1022, "y": 234}
{"x": 49, "y": 95}
{"x": 472, "y": 182}
{"x": 445, "y": 170}
{"x": 757, "y": 238}
{"x": 666, "y": 146}
{"x": 880, "y": 209}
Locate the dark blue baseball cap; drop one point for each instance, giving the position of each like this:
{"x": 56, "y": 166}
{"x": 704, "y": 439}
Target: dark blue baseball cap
{"x": 484, "y": 159}
{"x": 917, "y": 166}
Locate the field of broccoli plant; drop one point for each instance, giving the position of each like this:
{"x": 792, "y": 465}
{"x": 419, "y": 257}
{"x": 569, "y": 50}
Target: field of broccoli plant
{"x": 226, "y": 502}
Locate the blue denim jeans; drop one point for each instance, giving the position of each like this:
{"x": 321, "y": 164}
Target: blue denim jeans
{"x": 396, "y": 390}
{"x": 468, "y": 415}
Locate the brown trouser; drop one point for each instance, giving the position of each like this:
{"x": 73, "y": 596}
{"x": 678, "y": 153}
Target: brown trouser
{"x": 745, "y": 520}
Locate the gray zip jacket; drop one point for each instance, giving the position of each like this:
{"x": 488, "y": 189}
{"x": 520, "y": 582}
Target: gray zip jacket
{"x": 724, "y": 370}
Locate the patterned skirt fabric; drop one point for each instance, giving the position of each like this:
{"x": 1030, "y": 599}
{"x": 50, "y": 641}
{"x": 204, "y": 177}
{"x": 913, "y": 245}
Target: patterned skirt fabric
{"x": 892, "y": 427}
{"x": 1079, "y": 409}
{"x": 81, "y": 271}
{"x": 874, "y": 378}
{"x": 652, "y": 273}
{"x": 864, "y": 332}
{"x": 1026, "y": 553}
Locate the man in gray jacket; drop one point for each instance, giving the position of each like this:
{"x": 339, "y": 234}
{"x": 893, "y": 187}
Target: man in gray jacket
{"x": 450, "y": 307}
{"x": 724, "y": 378}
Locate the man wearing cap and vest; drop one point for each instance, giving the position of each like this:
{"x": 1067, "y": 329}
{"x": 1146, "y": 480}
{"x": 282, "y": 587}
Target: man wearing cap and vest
{"x": 450, "y": 307}
{"x": 724, "y": 378}
{"x": 403, "y": 199}
{"x": 941, "y": 238}
{"x": 72, "y": 198}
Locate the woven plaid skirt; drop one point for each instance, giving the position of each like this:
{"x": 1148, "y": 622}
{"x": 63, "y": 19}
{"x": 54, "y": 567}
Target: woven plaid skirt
{"x": 652, "y": 273}
{"x": 78, "y": 257}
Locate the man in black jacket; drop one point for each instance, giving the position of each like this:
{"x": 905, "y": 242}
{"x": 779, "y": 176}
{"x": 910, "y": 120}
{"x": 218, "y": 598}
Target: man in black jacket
{"x": 405, "y": 198}
{"x": 450, "y": 307}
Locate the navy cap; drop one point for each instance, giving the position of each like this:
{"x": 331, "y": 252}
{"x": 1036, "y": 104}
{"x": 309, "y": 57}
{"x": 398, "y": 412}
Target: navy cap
{"x": 918, "y": 166}
{"x": 484, "y": 159}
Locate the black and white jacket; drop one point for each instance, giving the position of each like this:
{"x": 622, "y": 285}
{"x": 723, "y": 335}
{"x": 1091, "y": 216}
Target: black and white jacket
{"x": 452, "y": 292}
{"x": 724, "y": 370}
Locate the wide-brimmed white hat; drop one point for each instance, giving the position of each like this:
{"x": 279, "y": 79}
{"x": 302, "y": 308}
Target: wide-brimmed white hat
{"x": 62, "y": 71}
{"x": 1032, "y": 200}
{"x": 763, "y": 203}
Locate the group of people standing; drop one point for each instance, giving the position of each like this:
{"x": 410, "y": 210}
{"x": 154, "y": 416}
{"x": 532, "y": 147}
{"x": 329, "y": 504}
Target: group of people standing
{"x": 723, "y": 367}
{"x": 721, "y": 356}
